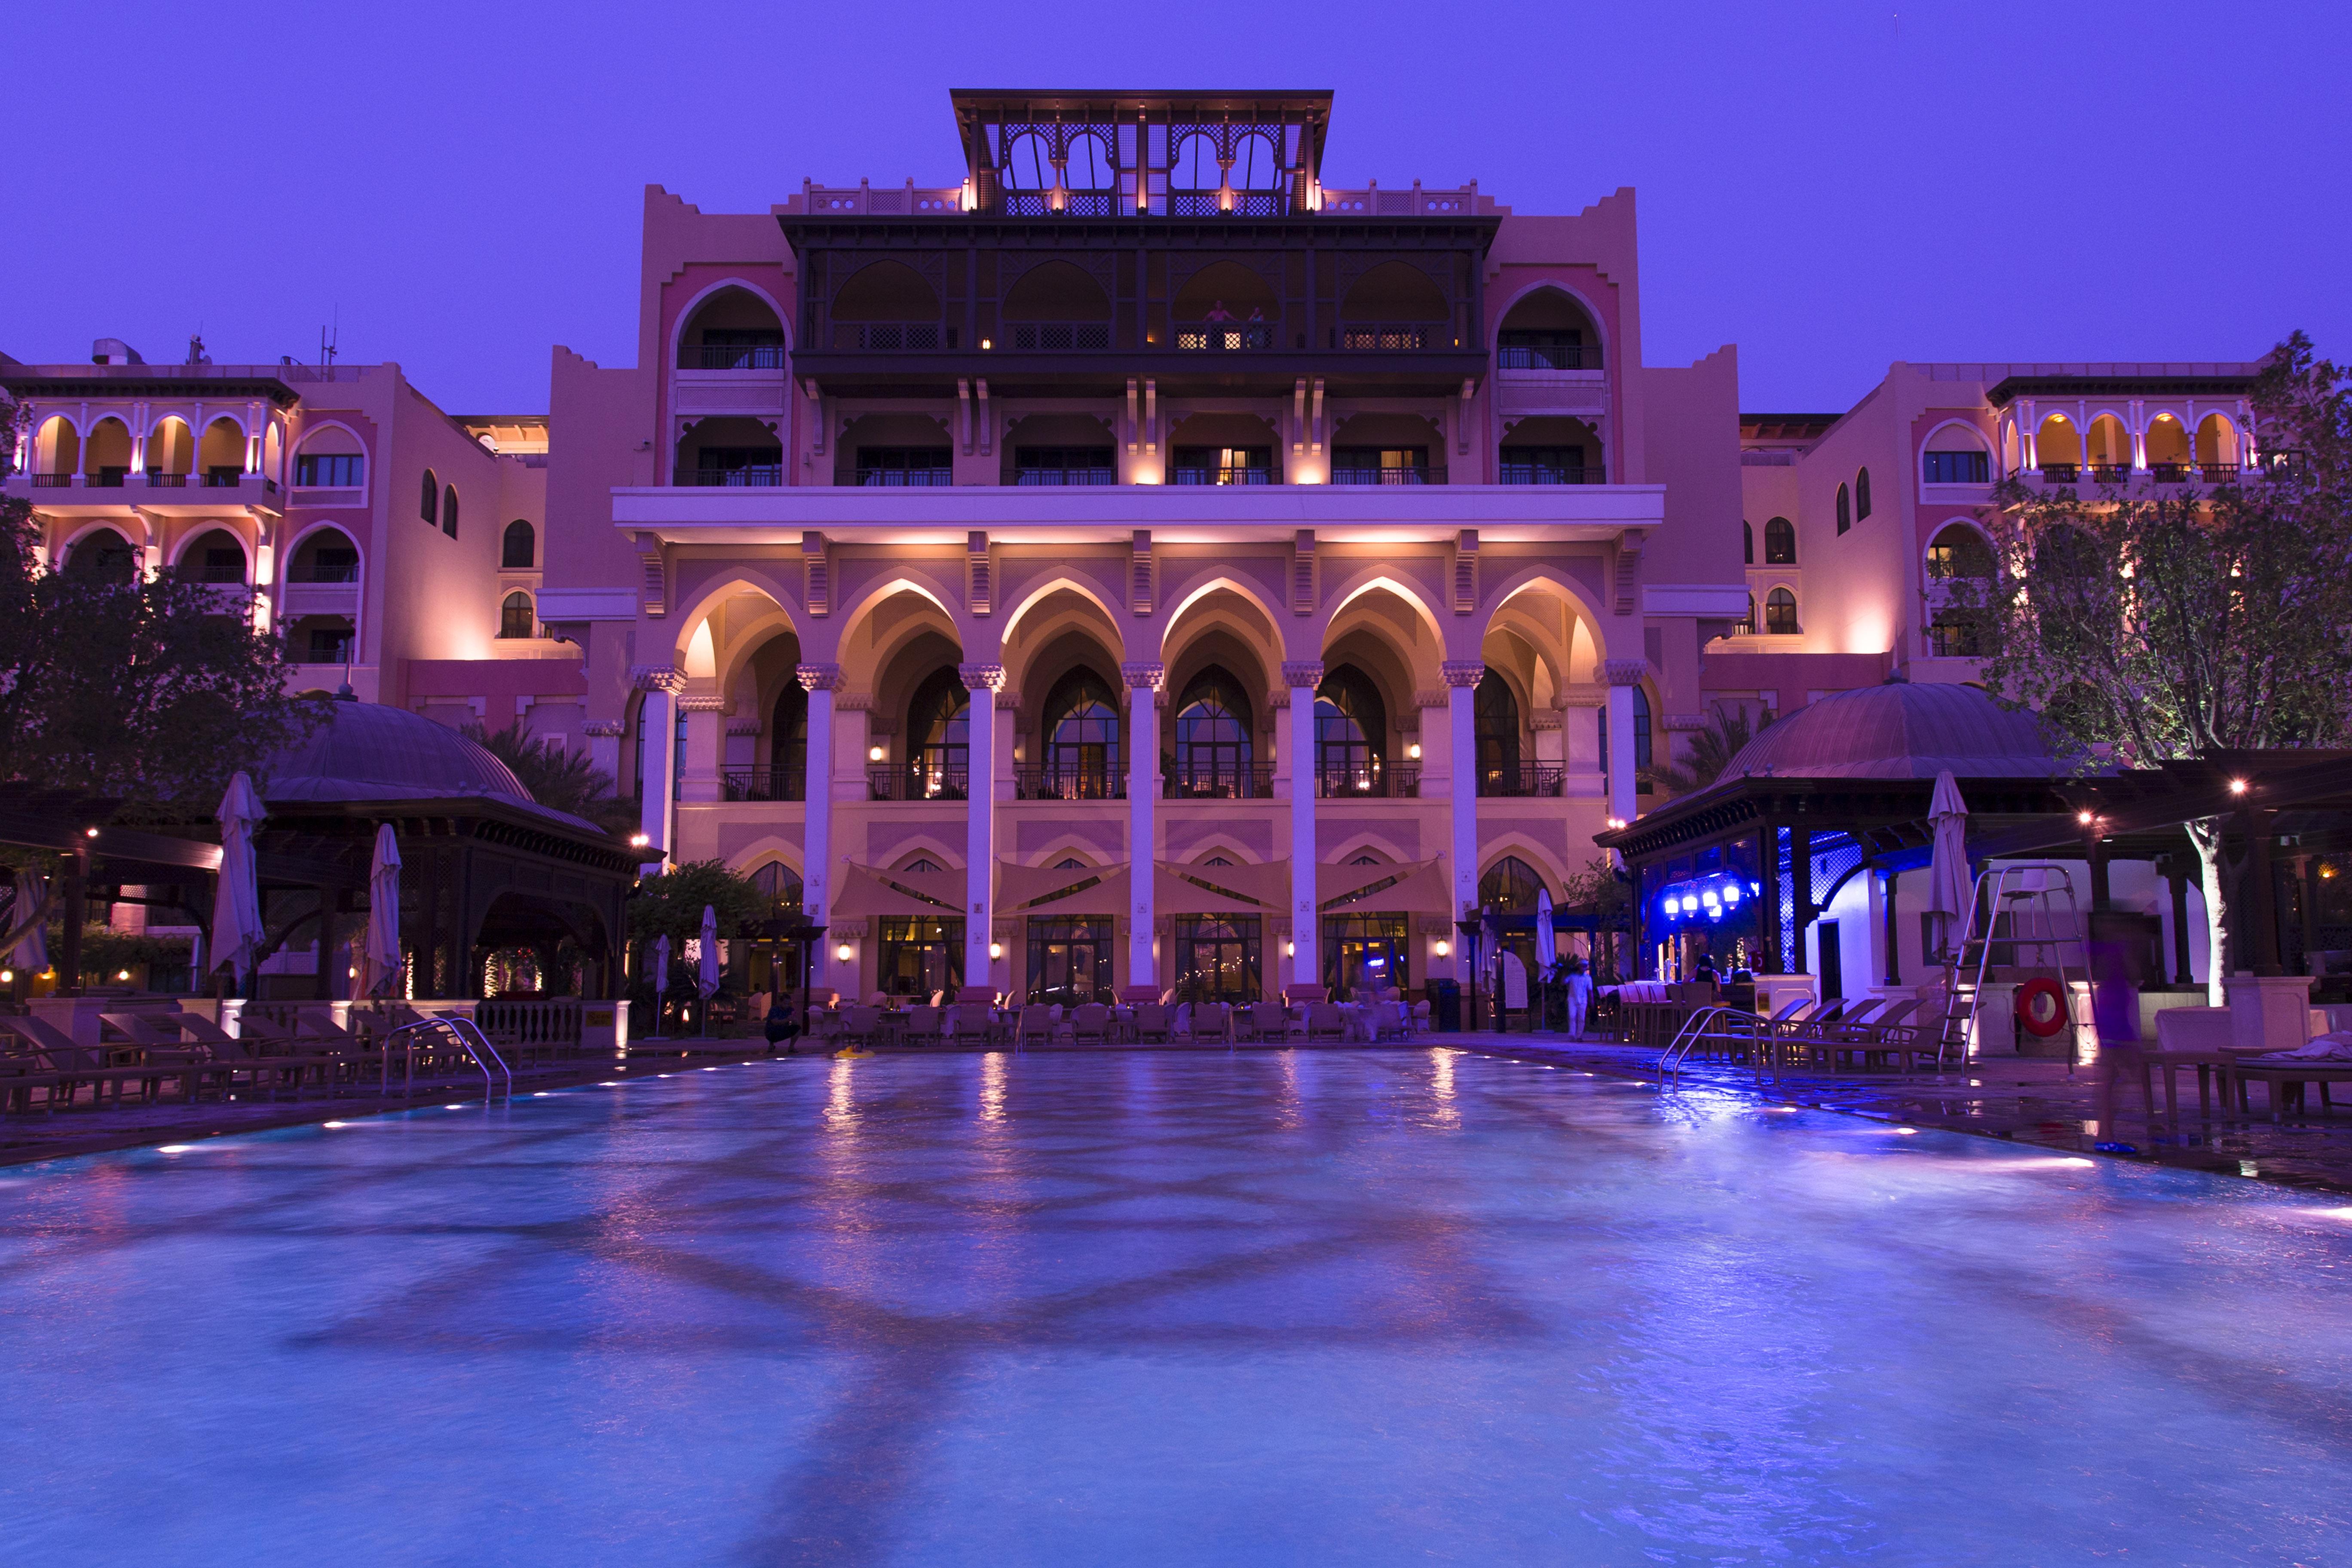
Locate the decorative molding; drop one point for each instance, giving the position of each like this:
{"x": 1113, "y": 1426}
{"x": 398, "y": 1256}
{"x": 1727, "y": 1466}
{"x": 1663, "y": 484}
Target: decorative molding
{"x": 1630, "y": 543}
{"x": 1279, "y": 698}
{"x": 845, "y": 930}
{"x": 1302, "y": 674}
{"x": 1137, "y": 675}
{"x": 1625, "y": 671}
{"x": 666, "y": 678}
{"x": 989, "y": 678}
{"x": 1302, "y": 573}
{"x": 653, "y": 584}
{"x": 702, "y": 704}
{"x": 1465, "y": 572}
{"x": 744, "y": 726}
{"x": 1584, "y": 694}
{"x": 820, "y": 677}
{"x": 601, "y": 728}
{"x": 978, "y": 596}
{"x": 1139, "y": 575}
{"x": 1543, "y": 721}
{"x": 1462, "y": 674}
{"x": 816, "y": 566}
{"x": 1685, "y": 721}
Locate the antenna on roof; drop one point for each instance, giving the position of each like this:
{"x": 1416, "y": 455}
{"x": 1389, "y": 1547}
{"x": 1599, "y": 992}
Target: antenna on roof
{"x": 330, "y": 339}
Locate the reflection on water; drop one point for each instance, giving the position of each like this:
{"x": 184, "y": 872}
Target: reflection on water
{"x": 1266, "y": 1307}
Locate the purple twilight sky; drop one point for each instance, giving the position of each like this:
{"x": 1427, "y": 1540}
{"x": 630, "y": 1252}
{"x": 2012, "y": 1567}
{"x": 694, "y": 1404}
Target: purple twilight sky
{"x": 1830, "y": 186}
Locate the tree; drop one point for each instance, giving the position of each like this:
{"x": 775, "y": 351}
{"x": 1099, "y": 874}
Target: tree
{"x": 152, "y": 690}
{"x": 1601, "y": 890}
{"x": 1712, "y": 747}
{"x": 559, "y": 777}
{"x": 2147, "y": 627}
{"x": 671, "y": 905}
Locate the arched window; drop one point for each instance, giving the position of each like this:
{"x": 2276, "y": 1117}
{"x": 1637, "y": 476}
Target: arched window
{"x": 1959, "y": 550}
{"x": 1510, "y": 885}
{"x": 1351, "y": 731}
{"x": 1780, "y": 613}
{"x": 1028, "y": 164}
{"x": 788, "y": 740}
{"x": 778, "y": 886}
{"x": 519, "y": 551}
{"x": 217, "y": 557}
{"x": 1081, "y": 737}
{"x": 1641, "y": 739}
{"x": 102, "y": 555}
{"x": 1196, "y": 164}
{"x": 1496, "y": 713}
{"x": 1862, "y": 495}
{"x": 1748, "y": 544}
{"x": 1213, "y": 738}
{"x": 429, "y": 507}
{"x": 1779, "y": 542}
{"x": 1086, "y": 166}
{"x": 449, "y": 511}
{"x": 1845, "y": 509}
{"x": 515, "y": 617}
{"x": 939, "y": 748}
{"x": 1953, "y": 635}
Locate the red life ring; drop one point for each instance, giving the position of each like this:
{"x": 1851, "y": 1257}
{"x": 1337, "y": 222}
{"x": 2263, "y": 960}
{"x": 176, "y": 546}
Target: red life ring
{"x": 2041, "y": 1008}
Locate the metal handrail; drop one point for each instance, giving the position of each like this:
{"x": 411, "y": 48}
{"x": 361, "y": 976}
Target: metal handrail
{"x": 457, "y": 1029}
{"x": 1693, "y": 1030}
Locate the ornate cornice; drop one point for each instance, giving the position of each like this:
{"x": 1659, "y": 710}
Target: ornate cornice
{"x": 666, "y": 678}
{"x": 1625, "y": 671}
{"x": 601, "y": 728}
{"x": 1139, "y": 676}
{"x": 819, "y": 677}
{"x": 748, "y": 725}
{"x": 1302, "y": 674}
{"x": 1462, "y": 673}
{"x": 702, "y": 704}
{"x": 987, "y": 678}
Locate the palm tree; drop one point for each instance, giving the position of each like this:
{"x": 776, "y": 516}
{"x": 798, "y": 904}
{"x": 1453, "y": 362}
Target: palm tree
{"x": 558, "y": 777}
{"x": 1712, "y": 747}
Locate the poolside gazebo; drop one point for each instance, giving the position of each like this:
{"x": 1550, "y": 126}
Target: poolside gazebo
{"x": 1743, "y": 870}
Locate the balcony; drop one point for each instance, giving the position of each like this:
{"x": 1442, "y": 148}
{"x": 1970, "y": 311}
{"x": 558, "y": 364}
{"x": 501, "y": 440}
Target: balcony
{"x": 1240, "y": 781}
{"x": 156, "y": 481}
{"x": 893, "y": 478}
{"x": 109, "y": 479}
{"x": 1524, "y": 780}
{"x": 1380, "y": 780}
{"x": 731, "y": 356}
{"x": 2110, "y": 473}
{"x": 1066, "y": 475}
{"x": 1226, "y": 337}
{"x": 1059, "y": 204}
{"x": 919, "y": 782}
{"x": 1551, "y": 474}
{"x": 758, "y": 475}
{"x": 895, "y": 337}
{"x": 1068, "y": 783}
{"x": 1420, "y": 474}
{"x": 763, "y": 784}
{"x": 1392, "y": 337}
{"x": 1228, "y": 204}
{"x": 1548, "y": 356}
{"x": 52, "y": 482}
{"x": 1061, "y": 336}
{"x": 1220, "y": 475}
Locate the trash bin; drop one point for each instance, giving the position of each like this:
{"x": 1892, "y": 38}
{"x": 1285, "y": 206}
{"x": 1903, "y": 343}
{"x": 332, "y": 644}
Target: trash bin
{"x": 1445, "y": 1006}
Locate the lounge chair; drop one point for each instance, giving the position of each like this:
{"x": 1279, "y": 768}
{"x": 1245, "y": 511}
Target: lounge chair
{"x": 54, "y": 1052}
{"x": 1325, "y": 1021}
{"x": 1151, "y": 1023}
{"x": 1090, "y": 1025}
{"x": 1036, "y": 1025}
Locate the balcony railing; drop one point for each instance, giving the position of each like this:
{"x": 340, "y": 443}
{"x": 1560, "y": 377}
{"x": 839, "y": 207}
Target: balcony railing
{"x": 229, "y": 478}
{"x": 2171, "y": 473}
{"x": 1066, "y": 475}
{"x": 52, "y": 481}
{"x": 894, "y": 337}
{"x": 1422, "y": 475}
{"x": 2061, "y": 473}
{"x": 899, "y": 781}
{"x": 1053, "y": 335}
{"x": 1226, "y": 337}
{"x": 731, "y": 356}
{"x": 1074, "y": 203}
{"x": 1553, "y": 474}
{"x": 326, "y": 572}
{"x": 1548, "y": 356}
{"x": 1220, "y": 476}
{"x": 891, "y": 479}
{"x": 1526, "y": 779}
{"x": 1392, "y": 335}
{"x": 1240, "y": 781}
{"x": 2217, "y": 473}
{"x": 764, "y": 784}
{"x": 109, "y": 479}
{"x": 758, "y": 476}
{"x": 1068, "y": 783}
{"x": 1380, "y": 781}
{"x": 166, "y": 482}
{"x": 2110, "y": 473}
{"x": 1227, "y": 204}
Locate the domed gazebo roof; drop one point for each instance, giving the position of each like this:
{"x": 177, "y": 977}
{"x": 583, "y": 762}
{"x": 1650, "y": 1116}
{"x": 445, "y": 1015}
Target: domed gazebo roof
{"x": 371, "y": 751}
{"x": 1899, "y": 730}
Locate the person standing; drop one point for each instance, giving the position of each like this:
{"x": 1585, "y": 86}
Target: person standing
{"x": 1579, "y": 996}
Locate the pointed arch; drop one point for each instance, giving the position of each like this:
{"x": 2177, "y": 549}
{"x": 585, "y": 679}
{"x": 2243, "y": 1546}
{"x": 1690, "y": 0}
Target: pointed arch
{"x": 1368, "y": 579}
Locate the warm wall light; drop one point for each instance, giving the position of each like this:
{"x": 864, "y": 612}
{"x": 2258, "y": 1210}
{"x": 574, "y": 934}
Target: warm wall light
{"x": 1445, "y": 947}
{"x": 876, "y": 753}
{"x": 122, "y": 974}
{"x": 995, "y": 951}
{"x": 2237, "y": 786}
{"x": 1290, "y": 950}
{"x": 2084, "y": 817}
{"x": 1413, "y": 749}
{"x": 639, "y": 840}
{"x": 90, "y": 832}
{"x": 842, "y": 952}
{"x": 8, "y": 978}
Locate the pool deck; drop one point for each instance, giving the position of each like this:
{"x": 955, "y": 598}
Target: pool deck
{"x": 2026, "y": 1100}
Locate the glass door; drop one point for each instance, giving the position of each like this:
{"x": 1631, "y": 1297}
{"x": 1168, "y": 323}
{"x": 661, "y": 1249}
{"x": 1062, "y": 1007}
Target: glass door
{"x": 1069, "y": 961}
{"x": 1217, "y": 958}
{"x": 1364, "y": 954}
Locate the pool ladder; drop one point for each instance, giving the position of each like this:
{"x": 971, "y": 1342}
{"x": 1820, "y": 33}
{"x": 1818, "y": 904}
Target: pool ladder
{"x": 1698, "y": 1027}
{"x": 467, "y": 1033}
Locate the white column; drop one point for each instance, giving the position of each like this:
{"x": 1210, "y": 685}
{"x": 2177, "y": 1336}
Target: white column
{"x": 1143, "y": 683}
{"x": 1462, "y": 677}
{"x": 1306, "y": 925}
{"x": 661, "y": 728}
{"x": 1622, "y": 675}
{"x": 2029, "y": 433}
{"x": 820, "y": 681}
{"x": 700, "y": 784}
{"x": 983, "y": 681}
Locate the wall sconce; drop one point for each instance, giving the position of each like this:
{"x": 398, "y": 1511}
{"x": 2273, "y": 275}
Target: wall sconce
{"x": 1445, "y": 947}
{"x": 1413, "y": 749}
{"x": 122, "y": 974}
{"x": 639, "y": 840}
{"x": 1290, "y": 950}
{"x": 844, "y": 951}
{"x": 877, "y": 753}
{"x": 995, "y": 951}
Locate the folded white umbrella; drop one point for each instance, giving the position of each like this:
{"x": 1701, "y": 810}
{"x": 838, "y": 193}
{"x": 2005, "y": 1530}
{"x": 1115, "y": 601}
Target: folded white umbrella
{"x": 1547, "y": 944}
{"x": 1950, "y": 887}
{"x": 32, "y": 953}
{"x": 706, "y": 979}
{"x": 237, "y": 932}
{"x": 383, "y": 912}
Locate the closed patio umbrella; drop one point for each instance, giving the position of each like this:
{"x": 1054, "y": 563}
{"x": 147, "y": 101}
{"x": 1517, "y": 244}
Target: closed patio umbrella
{"x": 1950, "y": 887}
{"x": 382, "y": 950}
{"x": 237, "y": 933}
{"x": 661, "y": 977}
{"x": 706, "y": 975}
{"x": 32, "y": 953}
{"x": 1547, "y": 956}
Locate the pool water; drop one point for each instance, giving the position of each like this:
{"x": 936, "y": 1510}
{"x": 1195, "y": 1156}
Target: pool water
{"x": 1147, "y": 1307}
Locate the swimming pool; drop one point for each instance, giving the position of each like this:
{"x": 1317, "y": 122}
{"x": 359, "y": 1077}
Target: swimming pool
{"x": 1145, "y": 1308}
